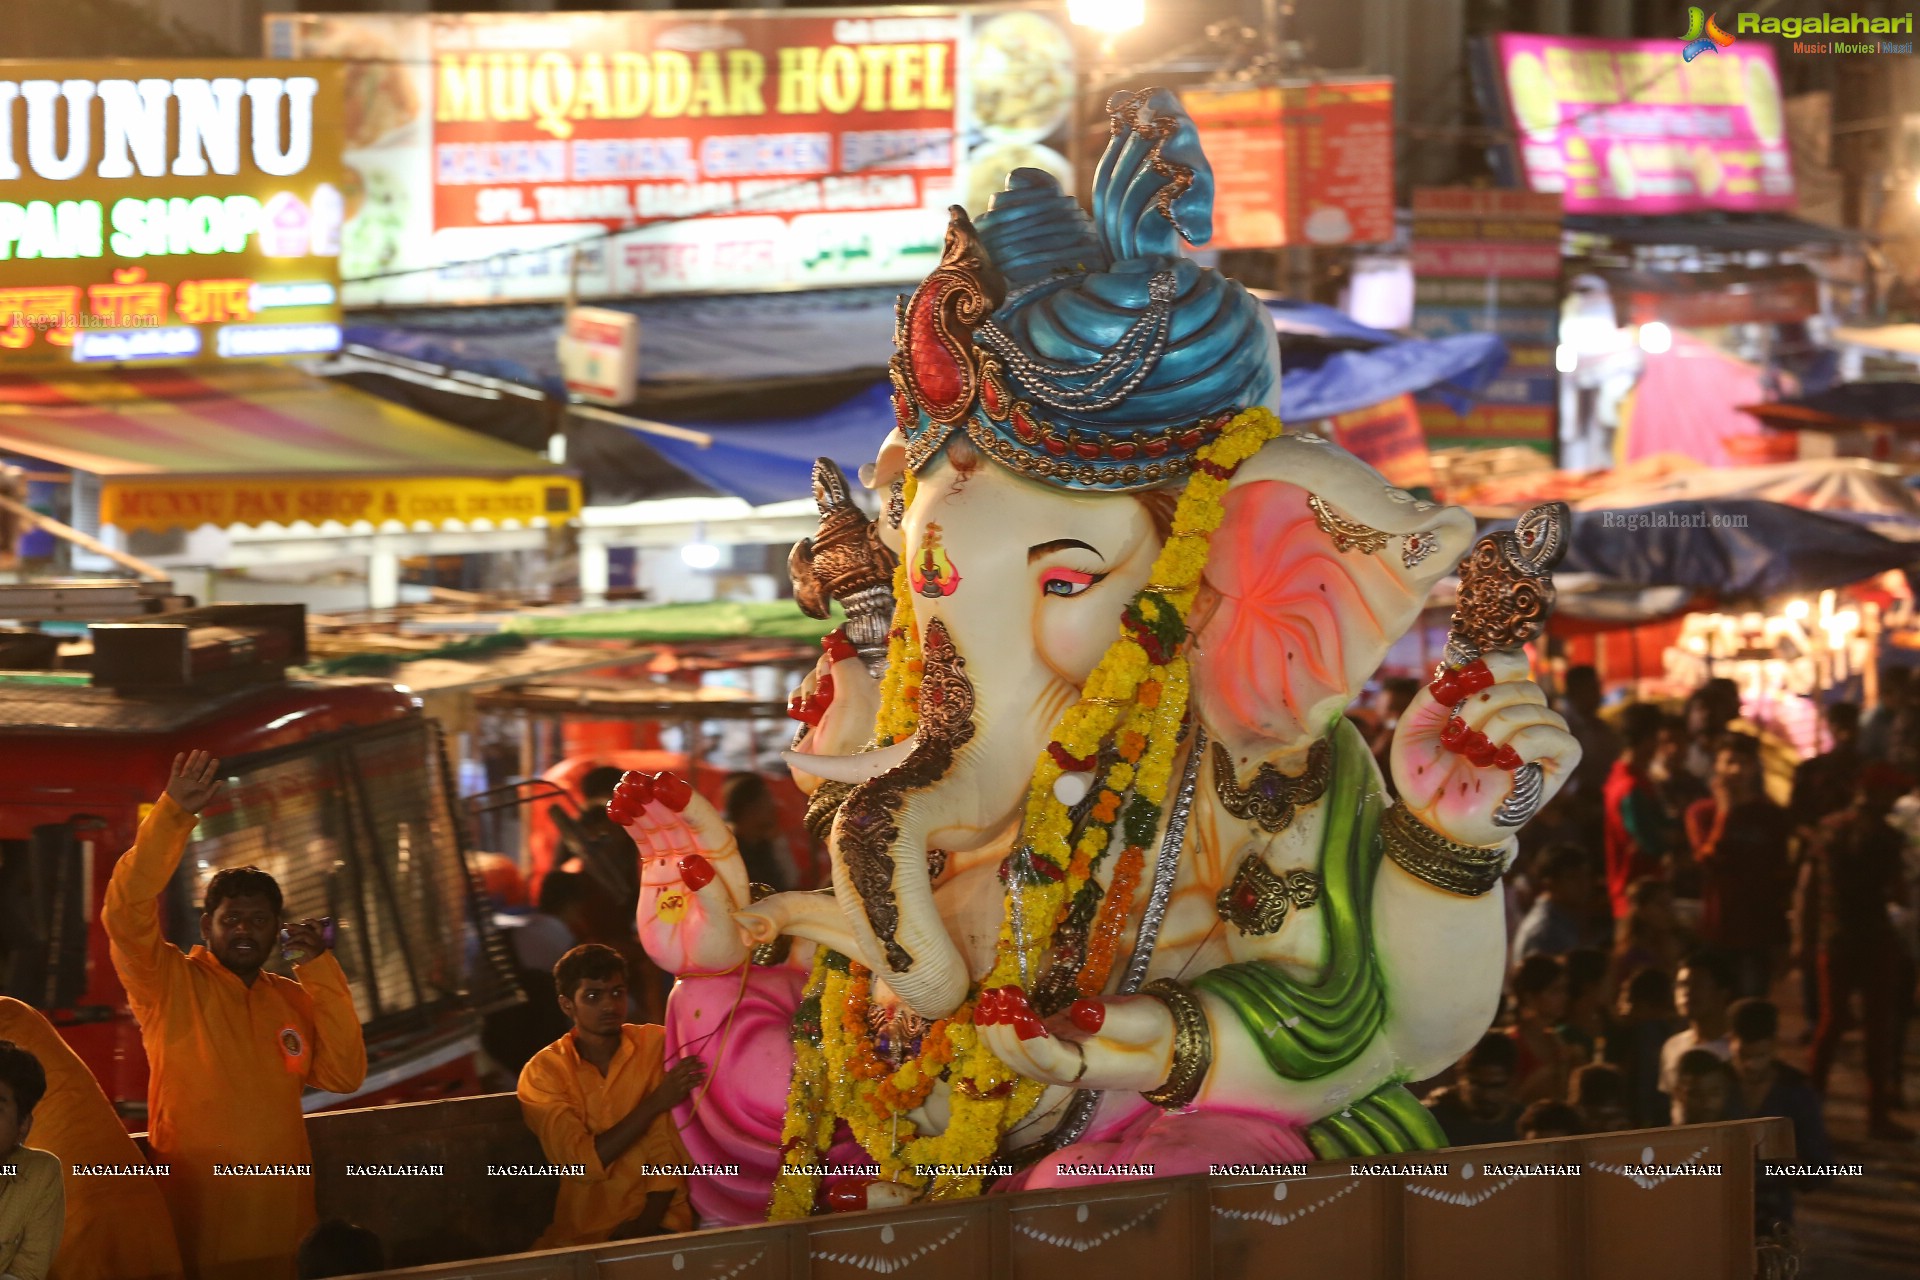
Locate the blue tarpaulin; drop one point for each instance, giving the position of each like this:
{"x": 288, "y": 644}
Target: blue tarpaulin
{"x": 772, "y": 460}
{"x": 1744, "y": 548}
{"x": 1330, "y": 365}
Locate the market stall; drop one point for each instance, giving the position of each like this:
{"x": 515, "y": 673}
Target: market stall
{"x": 1693, "y": 283}
{"x": 238, "y": 468}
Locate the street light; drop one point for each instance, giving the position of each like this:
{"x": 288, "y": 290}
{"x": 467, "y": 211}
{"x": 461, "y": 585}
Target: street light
{"x": 1655, "y": 338}
{"x": 700, "y": 554}
{"x": 1109, "y": 16}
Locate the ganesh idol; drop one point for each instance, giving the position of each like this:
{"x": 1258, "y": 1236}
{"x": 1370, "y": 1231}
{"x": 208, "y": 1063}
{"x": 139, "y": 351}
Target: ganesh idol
{"x": 1116, "y": 885}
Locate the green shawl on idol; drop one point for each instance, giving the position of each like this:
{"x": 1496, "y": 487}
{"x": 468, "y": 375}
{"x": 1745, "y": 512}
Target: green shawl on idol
{"x": 1310, "y": 1030}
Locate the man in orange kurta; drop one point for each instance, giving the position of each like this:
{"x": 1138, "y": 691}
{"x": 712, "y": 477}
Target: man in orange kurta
{"x": 117, "y": 1228}
{"x": 230, "y": 1047}
{"x": 600, "y": 1099}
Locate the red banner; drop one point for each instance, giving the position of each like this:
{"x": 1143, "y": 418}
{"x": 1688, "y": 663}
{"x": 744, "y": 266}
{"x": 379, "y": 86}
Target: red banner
{"x": 1538, "y": 260}
{"x": 1491, "y": 424}
{"x": 529, "y": 156}
{"x": 1388, "y": 438}
{"x": 781, "y": 120}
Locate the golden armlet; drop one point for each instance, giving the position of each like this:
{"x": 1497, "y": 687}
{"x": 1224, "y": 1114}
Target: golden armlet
{"x": 1192, "y": 1045}
{"x": 1422, "y": 852}
{"x": 768, "y": 953}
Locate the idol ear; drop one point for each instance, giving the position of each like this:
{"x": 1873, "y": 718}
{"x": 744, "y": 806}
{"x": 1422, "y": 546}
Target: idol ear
{"x": 888, "y": 470}
{"x": 1318, "y": 566}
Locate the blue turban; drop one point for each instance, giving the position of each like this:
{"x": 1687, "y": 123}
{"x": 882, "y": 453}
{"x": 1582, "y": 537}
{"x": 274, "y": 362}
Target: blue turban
{"x": 1107, "y": 358}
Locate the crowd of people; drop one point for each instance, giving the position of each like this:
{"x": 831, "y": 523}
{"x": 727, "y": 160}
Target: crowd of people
{"x": 1663, "y": 903}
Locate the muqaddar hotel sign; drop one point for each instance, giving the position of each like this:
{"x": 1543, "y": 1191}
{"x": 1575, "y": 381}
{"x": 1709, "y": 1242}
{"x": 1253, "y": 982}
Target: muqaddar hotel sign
{"x": 156, "y": 212}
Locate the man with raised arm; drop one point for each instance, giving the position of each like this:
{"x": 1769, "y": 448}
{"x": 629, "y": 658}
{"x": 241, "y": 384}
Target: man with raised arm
{"x": 230, "y": 1047}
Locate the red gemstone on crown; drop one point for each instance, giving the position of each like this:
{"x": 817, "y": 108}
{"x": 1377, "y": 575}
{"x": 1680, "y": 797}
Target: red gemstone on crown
{"x": 1055, "y": 446}
{"x": 1088, "y": 449}
{"x": 1191, "y": 439}
{"x": 993, "y": 397}
{"x": 936, "y": 375}
{"x": 1156, "y": 447}
{"x": 1024, "y": 425}
{"x": 1122, "y": 449}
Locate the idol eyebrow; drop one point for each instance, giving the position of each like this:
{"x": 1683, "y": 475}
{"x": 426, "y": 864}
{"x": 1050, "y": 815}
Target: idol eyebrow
{"x": 1042, "y": 549}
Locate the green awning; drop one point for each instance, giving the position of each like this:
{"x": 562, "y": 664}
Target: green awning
{"x": 680, "y": 623}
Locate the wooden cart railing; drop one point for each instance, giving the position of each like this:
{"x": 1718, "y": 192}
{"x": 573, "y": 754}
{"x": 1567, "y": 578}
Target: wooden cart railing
{"x": 1647, "y": 1204}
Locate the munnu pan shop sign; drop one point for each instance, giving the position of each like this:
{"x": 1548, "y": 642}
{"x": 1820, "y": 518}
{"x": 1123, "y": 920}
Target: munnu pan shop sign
{"x": 158, "y": 212}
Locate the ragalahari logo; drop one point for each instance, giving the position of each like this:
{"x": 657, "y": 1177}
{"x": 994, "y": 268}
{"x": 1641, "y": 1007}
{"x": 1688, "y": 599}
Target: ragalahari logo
{"x": 1703, "y": 34}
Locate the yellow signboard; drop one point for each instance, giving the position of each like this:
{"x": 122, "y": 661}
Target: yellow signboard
{"x": 163, "y": 502}
{"x": 154, "y": 212}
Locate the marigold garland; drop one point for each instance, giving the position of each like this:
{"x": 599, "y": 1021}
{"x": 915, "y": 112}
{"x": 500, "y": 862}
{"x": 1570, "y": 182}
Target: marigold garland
{"x": 1130, "y": 713}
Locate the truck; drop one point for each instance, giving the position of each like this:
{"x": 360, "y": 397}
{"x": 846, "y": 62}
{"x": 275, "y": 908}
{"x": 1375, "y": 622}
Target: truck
{"x": 340, "y": 788}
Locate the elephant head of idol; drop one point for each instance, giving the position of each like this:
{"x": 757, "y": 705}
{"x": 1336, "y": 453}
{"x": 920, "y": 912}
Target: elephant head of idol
{"x": 1058, "y": 382}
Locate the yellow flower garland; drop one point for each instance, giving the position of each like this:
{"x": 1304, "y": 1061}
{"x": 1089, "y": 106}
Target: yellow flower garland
{"x": 1130, "y": 700}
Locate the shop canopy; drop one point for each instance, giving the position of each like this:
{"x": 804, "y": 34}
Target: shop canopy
{"x": 1851, "y": 406}
{"x": 1726, "y": 232}
{"x": 267, "y": 445}
{"x": 1730, "y": 548}
{"x": 1330, "y": 365}
{"x": 1873, "y": 495}
{"x": 1657, "y": 537}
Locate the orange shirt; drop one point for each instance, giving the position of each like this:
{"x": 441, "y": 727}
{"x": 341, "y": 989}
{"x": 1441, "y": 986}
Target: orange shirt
{"x": 229, "y": 1063}
{"x": 116, "y": 1227}
{"x": 567, "y": 1103}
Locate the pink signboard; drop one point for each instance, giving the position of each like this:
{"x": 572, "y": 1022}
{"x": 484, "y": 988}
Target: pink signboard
{"x": 1628, "y": 126}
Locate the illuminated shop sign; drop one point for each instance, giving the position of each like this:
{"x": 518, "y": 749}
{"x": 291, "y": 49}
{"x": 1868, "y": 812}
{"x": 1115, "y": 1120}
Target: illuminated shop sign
{"x": 144, "y": 205}
{"x": 534, "y": 155}
{"x": 1642, "y": 126}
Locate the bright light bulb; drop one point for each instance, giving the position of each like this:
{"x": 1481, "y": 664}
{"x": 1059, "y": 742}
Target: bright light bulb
{"x": 1565, "y": 358}
{"x": 1655, "y": 338}
{"x": 1110, "y": 16}
{"x": 1798, "y": 609}
{"x": 700, "y": 555}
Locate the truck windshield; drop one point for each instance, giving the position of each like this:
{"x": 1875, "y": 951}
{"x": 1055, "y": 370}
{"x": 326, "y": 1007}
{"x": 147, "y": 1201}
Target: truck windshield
{"x": 360, "y": 828}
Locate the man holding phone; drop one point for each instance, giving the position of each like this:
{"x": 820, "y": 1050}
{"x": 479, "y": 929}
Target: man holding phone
{"x": 230, "y": 1047}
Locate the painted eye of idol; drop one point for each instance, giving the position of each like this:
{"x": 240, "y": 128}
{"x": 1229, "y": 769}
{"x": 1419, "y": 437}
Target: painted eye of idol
{"x": 1061, "y": 580}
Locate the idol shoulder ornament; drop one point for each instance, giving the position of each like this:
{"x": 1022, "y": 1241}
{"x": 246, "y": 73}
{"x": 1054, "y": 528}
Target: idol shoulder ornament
{"x": 1114, "y": 882}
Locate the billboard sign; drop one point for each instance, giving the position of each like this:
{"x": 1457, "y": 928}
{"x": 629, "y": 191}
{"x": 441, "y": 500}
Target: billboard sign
{"x": 1633, "y": 127}
{"x": 159, "y": 212}
{"x": 1308, "y": 163}
{"x": 676, "y": 151}
{"x": 1489, "y": 262}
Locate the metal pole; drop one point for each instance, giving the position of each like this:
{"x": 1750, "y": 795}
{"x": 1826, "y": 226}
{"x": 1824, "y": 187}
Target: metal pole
{"x": 525, "y": 841}
{"x": 86, "y": 543}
